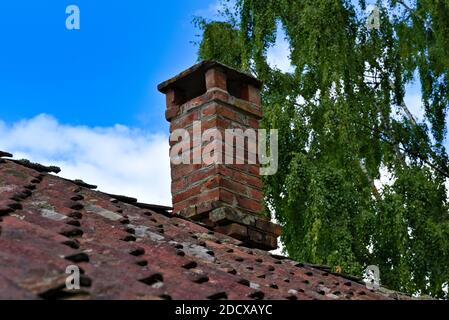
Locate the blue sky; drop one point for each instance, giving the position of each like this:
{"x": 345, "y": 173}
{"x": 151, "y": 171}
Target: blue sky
{"x": 86, "y": 100}
{"x": 103, "y": 74}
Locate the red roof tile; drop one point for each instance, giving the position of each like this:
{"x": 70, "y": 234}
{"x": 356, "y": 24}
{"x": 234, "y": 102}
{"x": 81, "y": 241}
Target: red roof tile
{"x": 129, "y": 250}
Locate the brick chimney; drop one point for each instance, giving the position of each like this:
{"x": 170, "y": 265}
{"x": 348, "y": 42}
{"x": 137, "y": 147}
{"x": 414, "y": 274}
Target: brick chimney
{"x": 226, "y": 196}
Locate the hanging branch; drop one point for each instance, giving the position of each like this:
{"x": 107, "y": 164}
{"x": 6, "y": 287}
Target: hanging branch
{"x": 395, "y": 143}
{"x": 370, "y": 180}
{"x": 404, "y": 107}
{"x": 412, "y": 120}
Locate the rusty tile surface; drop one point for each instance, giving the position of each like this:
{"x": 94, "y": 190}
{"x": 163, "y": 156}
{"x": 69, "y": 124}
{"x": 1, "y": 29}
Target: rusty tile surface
{"x": 128, "y": 252}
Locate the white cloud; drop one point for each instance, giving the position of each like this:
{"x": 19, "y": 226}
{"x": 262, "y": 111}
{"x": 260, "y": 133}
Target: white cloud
{"x": 278, "y": 55}
{"x": 118, "y": 159}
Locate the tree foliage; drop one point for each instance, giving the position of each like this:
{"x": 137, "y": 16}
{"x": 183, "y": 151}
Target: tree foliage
{"x": 343, "y": 124}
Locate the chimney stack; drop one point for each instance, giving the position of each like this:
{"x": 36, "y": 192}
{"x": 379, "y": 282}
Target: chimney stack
{"x": 226, "y": 196}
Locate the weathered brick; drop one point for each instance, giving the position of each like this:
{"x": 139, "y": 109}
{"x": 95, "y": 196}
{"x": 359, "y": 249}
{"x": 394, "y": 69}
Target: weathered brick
{"x": 264, "y": 241}
{"x": 249, "y": 204}
{"x": 233, "y": 186}
{"x": 217, "y": 95}
{"x": 254, "y": 193}
{"x": 194, "y": 103}
{"x": 171, "y": 112}
{"x": 268, "y": 227}
{"x": 186, "y": 194}
{"x": 178, "y": 185}
{"x": 185, "y": 120}
{"x": 215, "y": 78}
{"x": 247, "y": 106}
{"x": 182, "y": 170}
{"x": 227, "y": 197}
{"x": 172, "y": 98}
{"x": 251, "y": 94}
{"x": 210, "y": 109}
{"x": 234, "y": 230}
{"x": 253, "y": 123}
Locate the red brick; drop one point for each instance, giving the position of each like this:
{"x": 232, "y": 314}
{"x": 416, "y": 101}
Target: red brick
{"x": 193, "y": 104}
{"x": 217, "y": 95}
{"x": 215, "y": 79}
{"x": 182, "y": 170}
{"x": 234, "y": 230}
{"x": 187, "y": 193}
{"x": 251, "y": 94}
{"x": 171, "y": 98}
{"x": 178, "y": 185}
{"x": 253, "y": 123}
{"x": 248, "y": 107}
{"x": 171, "y": 112}
{"x": 209, "y": 196}
{"x": 228, "y": 197}
{"x": 209, "y": 110}
{"x": 185, "y": 120}
{"x": 201, "y": 174}
{"x": 211, "y": 183}
{"x": 233, "y": 186}
{"x": 250, "y": 204}
{"x": 230, "y": 114}
{"x": 254, "y": 193}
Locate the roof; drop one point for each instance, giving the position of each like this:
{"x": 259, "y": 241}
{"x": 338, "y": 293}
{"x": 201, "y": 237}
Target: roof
{"x": 131, "y": 250}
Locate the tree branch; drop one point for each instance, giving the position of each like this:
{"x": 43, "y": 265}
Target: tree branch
{"x": 404, "y": 107}
{"x": 412, "y": 12}
{"x": 370, "y": 181}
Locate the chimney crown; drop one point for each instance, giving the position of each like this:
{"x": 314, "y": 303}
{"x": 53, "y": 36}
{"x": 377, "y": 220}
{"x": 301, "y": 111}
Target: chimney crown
{"x": 194, "y": 76}
{"x": 227, "y": 196}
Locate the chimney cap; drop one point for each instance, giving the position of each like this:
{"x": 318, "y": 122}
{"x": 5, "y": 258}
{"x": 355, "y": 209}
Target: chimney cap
{"x": 195, "y": 74}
